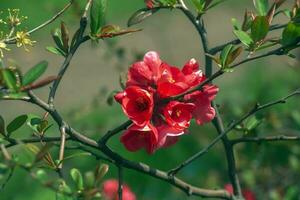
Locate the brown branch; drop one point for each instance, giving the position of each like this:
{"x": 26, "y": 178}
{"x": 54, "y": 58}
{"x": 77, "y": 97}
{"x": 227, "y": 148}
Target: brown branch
{"x": 230, "y": 128}
{"x": 62, "y": 146}
{"x": 277, "y": 138}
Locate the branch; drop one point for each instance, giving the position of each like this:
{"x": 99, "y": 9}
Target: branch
{"x": 231, "y": 163}
{"x": 218, "y": 120}
{"x": 120, "y": 179}
{"x": 13, "y": 40}
{"x": 115, "y": 131}
{"x": 237, "y": 41}
{"x": 80, "y": 39}
{"x": 230, "y": 128}
{"x": 277, "y": 138}
{"x": 14, "y": 142}
{"x": 62, "y": 146}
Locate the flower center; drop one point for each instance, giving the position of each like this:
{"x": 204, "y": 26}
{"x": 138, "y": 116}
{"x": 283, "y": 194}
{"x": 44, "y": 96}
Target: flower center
{"x": 141, "y": 104}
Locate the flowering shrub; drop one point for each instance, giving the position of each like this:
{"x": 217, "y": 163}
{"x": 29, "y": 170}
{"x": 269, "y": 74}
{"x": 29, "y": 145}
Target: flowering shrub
{"x": 148, "y": 100}
{"x": 160, "y": 100}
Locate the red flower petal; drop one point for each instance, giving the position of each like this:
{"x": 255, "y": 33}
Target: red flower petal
{"x": 137, "y": 104}
{"x": 152, "y": 60}
{"x": 190, "y": 67}
{"x": 178, "y": 115}
{"x": 149, "y": 3}
{"x": 110, "y": 191}
{"x": 167, "y": 135}
{"x": 140, "y": 75}
{"x": 135, "y": 138}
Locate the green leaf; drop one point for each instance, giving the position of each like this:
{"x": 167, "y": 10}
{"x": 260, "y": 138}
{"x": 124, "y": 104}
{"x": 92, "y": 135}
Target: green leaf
{"x": 10, "y": 80}
{"x": 236, "y": 24}
{"x": 243, "y": 37}
{"x": 215, "y": 4}
{"x": 56, "y": 35}
{"x": 259, "y": 28}
{"x": 290, "y": 35}
{"x": 2, "y": 126}
{"x": 100, "y": 172}
{"x": 56, "y": 51}
{"x": 252, "y": 123}
{"x": 35, "y": 72}
{"x": 261, "y": 7}
{"x": 233, "y": 55}
{"x": 141, "y": 15}
{"x": 224, "y": 54}
{"x": 77, "y": 178}
{"x": 199, "y": 5}
{"x": 97, "y": 15}
{"x": 89, "y": 179}
{"x": 16, "y": 124}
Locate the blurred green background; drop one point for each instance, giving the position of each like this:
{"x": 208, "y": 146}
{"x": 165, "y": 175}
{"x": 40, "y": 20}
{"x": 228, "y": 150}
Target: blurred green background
{"x": 271, "y": 170}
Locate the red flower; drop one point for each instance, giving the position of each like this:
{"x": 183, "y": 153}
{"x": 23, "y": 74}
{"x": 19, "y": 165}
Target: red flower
{"x": 110, "y": 191}
{"x": 203, "y": 112}
{"x": 145, "y": 73}
{"x": 167, "y": 135}
{"x": 178, "y": 115}
{"x": 149, "y": 3}
{"x": 150, "y": 82}
{"x": 136, "y": 138}
{"x": 193, "y": 74}
{"x": 248, "y": 194}
{"x": 172, "y": 82}
{"x": 137, "y": 104}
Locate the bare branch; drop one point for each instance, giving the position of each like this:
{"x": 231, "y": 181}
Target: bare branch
{"x": 230, "y": 128}
{"x": 277, "y": 138}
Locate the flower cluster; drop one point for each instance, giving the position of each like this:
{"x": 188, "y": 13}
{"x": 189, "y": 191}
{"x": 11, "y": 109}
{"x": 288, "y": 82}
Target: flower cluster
{"x": 153, "y": 100}
{"x": 110, "y": 191}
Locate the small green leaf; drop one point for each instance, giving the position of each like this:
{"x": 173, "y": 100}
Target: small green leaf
{"x": 56, "y": 51}
{"x": 261, "y": 6}
{"x": 2, "y": 126}
{"x": 10, "y": 80}
{"x": 16, "y": 124}
{"x": 77, "y": 178}
{"x": 35, "y": 72}
{"x": 252, "y": 123}
{"x": 89, "y": 179}
{"x": 141, "y": 15}
{"x": 224, "y": 54}
{"x": 243, "y": 37}
{"x": 215, "y": 4}
{"x": 291, "y": 34}
{"x": 56, "y": 35}
{"x": 199, "y": 5}
{"x": 233, "y": 55}
{"x": 259, "y": 28}
{"x": 236, "y": 24}
{"x": 97, "y": 15}
{"x": 100, "y": 172}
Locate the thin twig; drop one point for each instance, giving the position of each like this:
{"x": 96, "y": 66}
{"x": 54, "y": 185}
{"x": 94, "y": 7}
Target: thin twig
{"x": 113, "y": 132}
{"x": 230, "y": 128}
{"x": 120, "y": 180}
{"x": 13, "y": 40}
{"x": 62, "y": 146}
{"x": 277, "y": 138}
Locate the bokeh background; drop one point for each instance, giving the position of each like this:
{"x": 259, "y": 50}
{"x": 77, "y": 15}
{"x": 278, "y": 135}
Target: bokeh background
{"x": 270, "y": 170}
